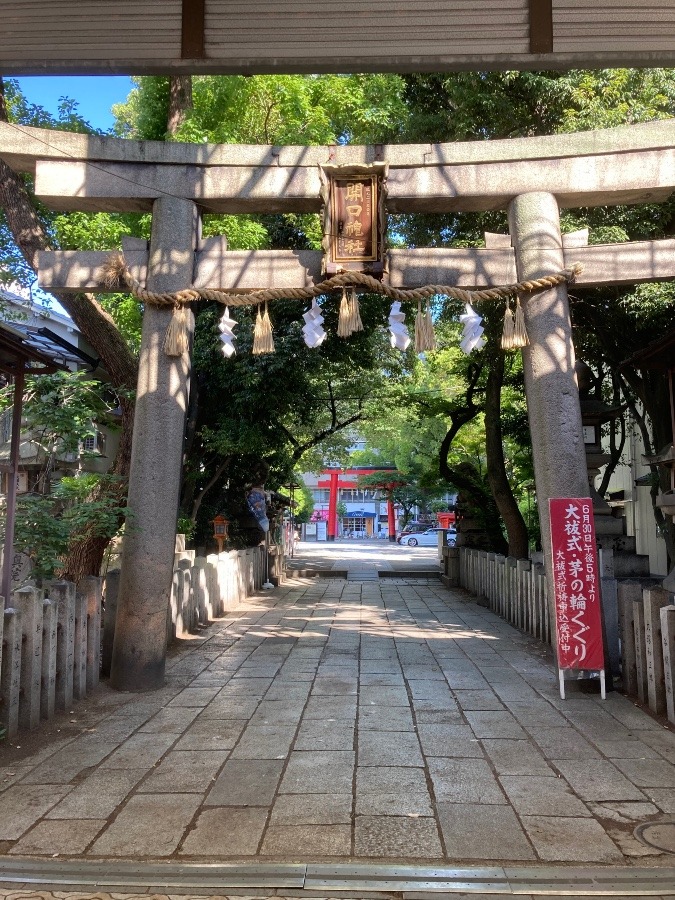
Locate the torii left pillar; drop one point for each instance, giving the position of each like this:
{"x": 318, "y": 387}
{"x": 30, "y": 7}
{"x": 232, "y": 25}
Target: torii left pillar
{"x": 139, "y": 652}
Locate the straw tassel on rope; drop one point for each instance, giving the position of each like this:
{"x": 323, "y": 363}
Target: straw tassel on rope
{"x": 425, "y": 338}
{"x": 263, "y": 341}
{"x": 349, "y": 318}
{"x": 507, "y": 331}
{"x": 176, "y": 338}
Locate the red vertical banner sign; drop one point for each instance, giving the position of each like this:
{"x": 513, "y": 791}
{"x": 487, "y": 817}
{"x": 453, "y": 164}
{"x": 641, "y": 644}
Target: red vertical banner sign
{"x": 576, "y": 583}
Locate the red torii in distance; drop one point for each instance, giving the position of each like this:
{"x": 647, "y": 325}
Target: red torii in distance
{"x": 387, "y": 482}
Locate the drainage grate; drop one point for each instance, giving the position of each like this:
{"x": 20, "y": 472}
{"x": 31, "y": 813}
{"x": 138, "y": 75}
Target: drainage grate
{"x": 659, "y": 835}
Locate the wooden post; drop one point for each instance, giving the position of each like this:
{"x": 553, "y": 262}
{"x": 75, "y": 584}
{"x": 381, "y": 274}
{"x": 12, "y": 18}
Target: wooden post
{"x": 654, "y": 600}
{"x": 112, "y": 586}
{"x": 668, "y": 641}
{"x": 80, "y": 657}
{"x": 10, "y": 681}
{"x": 48, "y": 692}
{"x": 628, "y": 594}
{"x": 91, "y": 590}
{"x": 640, "y": 648}
{"x": 63, "y": 593}
{"x": 26, "y": 599}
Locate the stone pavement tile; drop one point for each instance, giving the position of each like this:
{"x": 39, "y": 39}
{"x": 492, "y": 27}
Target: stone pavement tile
{"x": 211, "y": 734}
{"x": 570, "y": 840}
{"x": 478, "y": 700}
{"x": 265, "y": 742}
{"x": 140, "y": 751}
{"x": 317, "y": 772}
{"x": 230, "y": 708}
{"x": 11, "y": 776}
{"x": 664, "y": 798}
{"x": 394, "y": 804}
{"x": 22, "y": 806}
{"x": 68, "y": 763}
{"x": 563, "y": 743}
{"x": 383, "y": 696}
{"x": 466, "y": 681}
{"x": 399, "y": 837}
{"x": 185, "y": 772}
{"x": 490, "y": 724}
{"x": 225, "y": 831}
{"x": 393, "y": 748}
{"x": 246, "y": 782}
{"x": 192, "y": 696}
{"x": 629, "y": 714}
{"x": 662, "y": 741}
{"x": 430, "y": 671}
{"x": 277, "y": 712}
{"x": 149, "y": 825}
{"x": 429, "y": 712}
{"x": 172, "y": 720}
{"x": 647, "y": 773}
{"x": 598, "y": 780}
{"x": 239, "y": 686}
{"x": 464, "y": 781}
{"x": 536, "y": 713}
{"x": 448, "y": 740}
{"x": 390, "y": 779}
{"x": 334, "y": 686}
{"x": 385, "y": 718}
{"x": 633, "y": 749}
{"x": 312, "y": 809}
{"x": 332, "y": 734}
{"x": 516, "y": 757}
{"x": 284, "y": 690}
{"x": 542, "y": 796}
{"x": 307, "y": 840}
{"x": 59, "y": 838}
{"x": 116, "y": 728}
{"x": 475, "y": 831}
{"x": 330, "y": 708}
{"x": 381, "y": 680}
{"x": 430, "y": 690}
{"x": 98, "y": 796}
{"x": 515, "y": 692}
{"x": 624, "y": 813}
{"x": 384, "y": 666}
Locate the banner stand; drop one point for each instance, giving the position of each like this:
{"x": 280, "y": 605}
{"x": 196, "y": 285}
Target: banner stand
{"x": 576, "y": 590}
{"x": 561, "y": 678}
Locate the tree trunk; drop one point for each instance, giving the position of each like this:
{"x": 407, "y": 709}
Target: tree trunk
{"x": 180, "y": 101}
{"x": 516, "y": 528}
{"x": 469, "y": 483}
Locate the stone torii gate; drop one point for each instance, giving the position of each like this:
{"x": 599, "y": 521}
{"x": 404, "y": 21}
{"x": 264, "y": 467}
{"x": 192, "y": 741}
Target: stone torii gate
{"x": 533, "y": 178}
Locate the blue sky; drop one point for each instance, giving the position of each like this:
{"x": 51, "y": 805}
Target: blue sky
{"x": 95, "y": 94}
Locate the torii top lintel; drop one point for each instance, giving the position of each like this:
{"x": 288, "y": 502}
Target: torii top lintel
{"x": 227, "y": 37}
{"x": 630, "y": 164}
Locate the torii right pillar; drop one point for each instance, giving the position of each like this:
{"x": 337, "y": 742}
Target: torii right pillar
{"x": 548, "y": 362}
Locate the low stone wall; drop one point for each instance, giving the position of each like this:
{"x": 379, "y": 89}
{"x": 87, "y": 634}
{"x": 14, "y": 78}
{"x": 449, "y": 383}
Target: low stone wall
{"x": 203, "y": 588}
{"x": 639, "y": 616}
{"x": 50, "y": 651}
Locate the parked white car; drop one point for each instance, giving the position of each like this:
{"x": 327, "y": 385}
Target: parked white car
{"x": 428, "y": 538}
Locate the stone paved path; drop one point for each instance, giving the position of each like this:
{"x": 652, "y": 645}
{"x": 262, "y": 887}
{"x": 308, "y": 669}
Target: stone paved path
{"x": 334, "y": 719}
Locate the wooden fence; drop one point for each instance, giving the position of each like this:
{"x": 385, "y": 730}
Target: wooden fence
{"x": 50, "y": 651}
{"x": 56, "y": 641}
{"x": 639, "y": 616}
